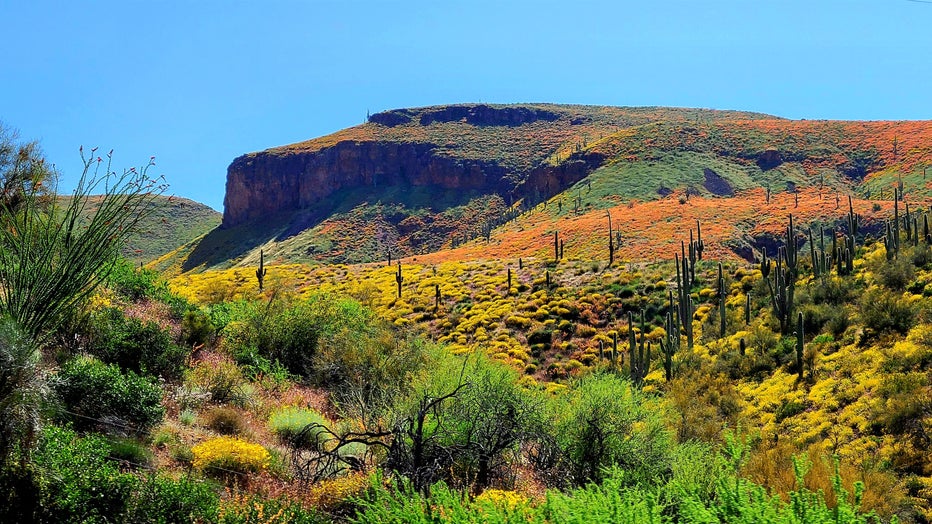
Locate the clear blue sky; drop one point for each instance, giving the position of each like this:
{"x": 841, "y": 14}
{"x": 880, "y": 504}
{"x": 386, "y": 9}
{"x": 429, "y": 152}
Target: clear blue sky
{"x": 197, "y": 83}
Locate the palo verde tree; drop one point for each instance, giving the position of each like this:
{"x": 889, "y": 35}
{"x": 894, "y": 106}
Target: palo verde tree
{"x": 22, "y": 170}
{"x": 55, "y": 250}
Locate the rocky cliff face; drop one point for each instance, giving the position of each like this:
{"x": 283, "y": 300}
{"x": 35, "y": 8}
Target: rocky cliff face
{"x": 282, "y": 179}
{"x": 265, "y": 183}
{"x": 529, "y": 151}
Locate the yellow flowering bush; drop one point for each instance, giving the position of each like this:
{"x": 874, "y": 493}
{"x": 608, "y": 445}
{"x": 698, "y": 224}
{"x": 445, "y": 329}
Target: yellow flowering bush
{"x": 502, "y": 499}
{"x": 334, "y": 494}
{"x": 228, "y": 453}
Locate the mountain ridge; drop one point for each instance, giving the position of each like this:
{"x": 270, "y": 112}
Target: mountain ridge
{"x": 419, "y": 180}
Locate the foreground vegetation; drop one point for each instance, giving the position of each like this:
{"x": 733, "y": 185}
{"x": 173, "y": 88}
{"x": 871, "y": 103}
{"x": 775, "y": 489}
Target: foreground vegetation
{"x": 552, "y": 389}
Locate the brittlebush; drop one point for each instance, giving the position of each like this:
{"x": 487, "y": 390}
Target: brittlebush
{"x": 233, "y": 454}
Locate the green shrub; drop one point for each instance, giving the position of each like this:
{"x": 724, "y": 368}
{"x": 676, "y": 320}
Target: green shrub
{"x": 196, "y": 328}
{"x": 85, "y": 486}
{"x": 604, "y": 422}
{"x": 289, "y": 425}
{"x": 225, "y": 420}
{"x": 162, "y": 499}
{"x": 136, "y": 283}
{"x": 20, "y": 489}
{"x": 832, "y": 290}
{"x": 896, "y": 274}
{"x": 129, "y": 451}
{"x": 219, "y": 377}
{"x": 883, "y": 311}
{"x": 95, "y": 394}
{"x": 141, "y": 347}
{"x": 283, "y": 331}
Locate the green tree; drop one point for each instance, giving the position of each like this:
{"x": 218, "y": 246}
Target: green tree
{"x": 22, "y": 168}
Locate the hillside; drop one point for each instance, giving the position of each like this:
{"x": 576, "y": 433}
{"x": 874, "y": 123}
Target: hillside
{"x": 749, "y": 340}
{"x": 171, "y": 222}
{"x": 411, "y": 182}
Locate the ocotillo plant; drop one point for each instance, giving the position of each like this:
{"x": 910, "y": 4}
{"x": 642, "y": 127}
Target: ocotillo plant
{"x": 436, "y": 297}
{"x": 399, "y": 279}
{"x": 508, "y": 289}
{"x": 747, "y": 309}
{"x": 261, "y": 271}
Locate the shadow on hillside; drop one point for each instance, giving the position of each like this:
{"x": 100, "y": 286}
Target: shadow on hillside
{"x": 221, "y": 246}
{"x": 391, "y": 204}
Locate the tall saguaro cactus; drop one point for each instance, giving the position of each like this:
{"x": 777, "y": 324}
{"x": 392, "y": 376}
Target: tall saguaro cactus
{"x": 261, "y": 271}
{"x": 399, "y": 279}
{"x": 800, "y": 344}
{"x": 611, "y": 242}
{"x": 556, "y": 246}
{"x": 783, "y": 285}
{"x": 722, "y": 294}
{"x": 670, "y": 344}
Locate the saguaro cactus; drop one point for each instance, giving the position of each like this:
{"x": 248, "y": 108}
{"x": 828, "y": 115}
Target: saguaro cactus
{"x": 800, "y": 343}
{"x": 261, "y": 271}
{"x": 556, "y": 246}
{"x": 722, "y": 293}
{"x": 611, "y": 242}
{"x": 783, "y": 285}
{"x": 399, "y": 279}
{"x": 670, "y": 344}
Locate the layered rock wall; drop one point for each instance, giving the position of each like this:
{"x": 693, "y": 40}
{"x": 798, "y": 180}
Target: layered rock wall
{"x": 272, "y": 182}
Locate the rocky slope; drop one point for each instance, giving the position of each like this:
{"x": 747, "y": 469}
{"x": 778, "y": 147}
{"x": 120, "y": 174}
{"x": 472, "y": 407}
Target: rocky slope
{"x": 524, "y": 151}
{"x": 415, "y": 181}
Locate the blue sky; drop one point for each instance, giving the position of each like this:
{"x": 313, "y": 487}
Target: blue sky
{"x": 198, "y": 83}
